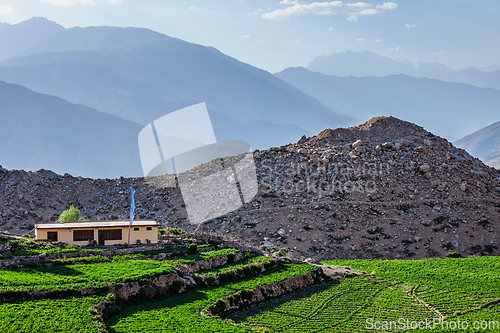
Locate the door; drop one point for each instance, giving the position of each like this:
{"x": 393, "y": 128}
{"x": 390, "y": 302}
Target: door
{"x": 52, "y": 236}
{"x": 101, "y": 237}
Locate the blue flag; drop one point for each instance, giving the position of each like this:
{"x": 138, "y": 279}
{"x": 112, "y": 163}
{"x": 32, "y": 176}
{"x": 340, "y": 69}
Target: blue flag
{"x": 132, "y": 205}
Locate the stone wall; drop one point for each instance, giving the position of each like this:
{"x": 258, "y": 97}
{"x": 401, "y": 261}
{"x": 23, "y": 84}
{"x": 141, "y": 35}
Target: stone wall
{"x": 244, "y": 298}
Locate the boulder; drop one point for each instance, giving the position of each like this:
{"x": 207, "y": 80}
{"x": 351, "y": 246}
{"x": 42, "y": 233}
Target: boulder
{"x": 357, "y": 143}
{"x": 425, "y": 168}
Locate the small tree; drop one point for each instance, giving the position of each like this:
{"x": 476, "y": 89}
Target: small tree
{"x": 70, "y": 215}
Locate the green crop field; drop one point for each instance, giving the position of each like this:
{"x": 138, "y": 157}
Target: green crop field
{"x": 181, "y": 313}
{"x": 450, "y": 290}
{"x": 94, "y": 275}
{"x": 331, "y": 307}
{"x": 476, "y": 275}
{"x": 415, "y": 291}
{"x": 48, "y": 315}
{"x": 243, "y": 263}
{"x": 80, "y": 276}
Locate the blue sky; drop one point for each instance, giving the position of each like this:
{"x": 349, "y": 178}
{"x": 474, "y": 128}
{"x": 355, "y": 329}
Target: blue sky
{"x": 274, "y": 35}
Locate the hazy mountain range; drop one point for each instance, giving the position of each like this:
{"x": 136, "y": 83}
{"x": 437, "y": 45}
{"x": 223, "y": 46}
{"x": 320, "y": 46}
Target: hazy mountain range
{"x": 140, "y": 75}
{"x": 484, "y": 144}
{"x": 42, "y": 131}
{"x": 96, "y": 87}
{"x": 370, "y": 64}
{"x": 493, "y": 160}
{"x": 452, "y": 110}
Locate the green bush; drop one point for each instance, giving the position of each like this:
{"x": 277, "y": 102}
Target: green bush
{"x": 174, "y": 231}
{"x": 453, "y": 255}
{"x": 72, "y": 214}
{"x": 283, "y": 251}
{"x": 263, "y": 248}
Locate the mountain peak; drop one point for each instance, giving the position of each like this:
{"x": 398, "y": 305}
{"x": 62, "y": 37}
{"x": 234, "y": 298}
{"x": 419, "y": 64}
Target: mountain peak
{"x": 38, "y": 21}
{"x": 378, "y": 129}
{"x": 18, "y": 37}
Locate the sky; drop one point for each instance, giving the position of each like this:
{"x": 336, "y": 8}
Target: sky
{"x": 274, "y": 35}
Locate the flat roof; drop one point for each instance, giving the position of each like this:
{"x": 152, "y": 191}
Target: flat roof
{"x": 95, "y": 224}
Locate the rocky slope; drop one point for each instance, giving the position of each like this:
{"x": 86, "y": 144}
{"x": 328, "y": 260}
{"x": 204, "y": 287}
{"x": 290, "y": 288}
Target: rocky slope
{"x": 384, "y": 189}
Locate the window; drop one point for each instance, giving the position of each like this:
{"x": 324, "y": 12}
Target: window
{"x": 113, "y": 234}
{"x": 149, "y": 228}
{"x": 136, "y": 229}
{"x": 52, "y": 236}
{"x": 83, "y": 235}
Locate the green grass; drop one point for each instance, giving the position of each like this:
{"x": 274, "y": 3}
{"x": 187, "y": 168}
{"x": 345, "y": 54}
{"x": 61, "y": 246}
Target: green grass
{"x": 476, "y": 275}
{"x": 29, "y": 252}
{"x": 94, "y": 275}
{"x": 343, "y": 307}
{"x": 181, "y": 313}
{"x": 449, "y": 302}
{"x": 80, "y": 276}
{"x": 352, "y": 305}
{"x": 122, "y": 257}
{"x": 47, "y": 316}
{"x": 229, "y": 267}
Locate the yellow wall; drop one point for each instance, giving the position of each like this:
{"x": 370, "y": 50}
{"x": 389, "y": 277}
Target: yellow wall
{"x": 66, "y": 235}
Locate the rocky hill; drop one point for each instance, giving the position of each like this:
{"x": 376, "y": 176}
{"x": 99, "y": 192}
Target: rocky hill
{"x": 384, "y": 189}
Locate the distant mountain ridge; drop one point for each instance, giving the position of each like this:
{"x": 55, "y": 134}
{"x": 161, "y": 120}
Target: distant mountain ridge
{"x": 140, "y": 75}
{"x": 484, "y": 142}
{"x": 366, "y": 63}
{"x": 40, "y": 131}
{"x": 447, "y": 109}
{"x": 17, "y": 38}
{"x": 492, "y": 160}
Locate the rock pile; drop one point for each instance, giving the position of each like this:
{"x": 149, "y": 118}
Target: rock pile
{"x": 384, "y": 189}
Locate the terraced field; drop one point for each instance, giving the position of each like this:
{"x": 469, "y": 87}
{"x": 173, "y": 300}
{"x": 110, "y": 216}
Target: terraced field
{"x": 181, "y": 313}
{"x": 466, "y": 289}
{"x": 94, "y": 275}
{"x": 48, "y": 315}
{"x": 476, "y": 275}
{"x": 333, "y": 307}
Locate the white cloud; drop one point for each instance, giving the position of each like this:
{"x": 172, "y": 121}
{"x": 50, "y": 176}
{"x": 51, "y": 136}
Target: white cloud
{"x": 330, "y": 29}
{"x": 194, "y": 8}
{"x": 352, "y": 18}
{"x": 6, "y": 9}
{"x": 394, "y": 48}
{"x": 351, "y": 10}
{"x": 260, "y": 41}
{"x": 387, "y": 6}
{"x": 359, "y": 40}
{"x": 438, "y": 53}
{"x": 378, "y": 40}
{"x": 409, "y": 26}
{"x": 68, "y": 3}
{"x": 245, "y": 36}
